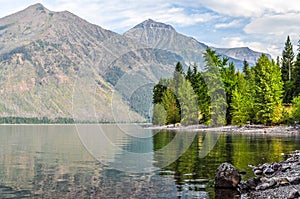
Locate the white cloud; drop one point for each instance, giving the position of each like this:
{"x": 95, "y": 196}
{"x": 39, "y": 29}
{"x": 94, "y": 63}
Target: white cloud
{"x": 121, "y": 15}
{"x": 232, "y": 24}
{"x": 251, "y": 8}
{"x": 280, "y": 24}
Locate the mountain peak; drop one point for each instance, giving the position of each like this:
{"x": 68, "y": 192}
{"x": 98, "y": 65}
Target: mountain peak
{"x": 37, "y": 7}
{"x": 150, "y": 23}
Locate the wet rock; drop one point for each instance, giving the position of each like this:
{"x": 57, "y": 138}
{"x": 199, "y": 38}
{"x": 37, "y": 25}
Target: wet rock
{"x": 263, "y": 186}
{"x": 250, "y": 184}
{"x": 227, "y": 194}
{"x": 268, "y": 171}
{"x": 280, "y": 180}
{"x": 292, "y": 159}
{"x": 294, "y": 193}
{"x": 285, "y": 168}
{"x": 272, "y": 182}
{"x": 283, "y": 182}
{"x": 294, "y": 180}
{"x": 227, "y": 176}
{"x": 276, "y": 166}
{"x": 258, "y": 172}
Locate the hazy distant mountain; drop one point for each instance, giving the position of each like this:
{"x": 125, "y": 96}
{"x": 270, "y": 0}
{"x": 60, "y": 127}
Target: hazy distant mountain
{"x": 241, "y": 54}
{"x": 56, "y": 64}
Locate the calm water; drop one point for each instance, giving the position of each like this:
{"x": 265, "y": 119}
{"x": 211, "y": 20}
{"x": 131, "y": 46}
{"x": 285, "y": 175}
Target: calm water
{"x": 61, "y": 161}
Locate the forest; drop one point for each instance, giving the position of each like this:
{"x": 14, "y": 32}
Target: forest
{"x": 217, "y": 94}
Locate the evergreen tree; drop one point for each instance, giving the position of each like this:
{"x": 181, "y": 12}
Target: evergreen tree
{"x": 158, "y": 91}
{"x": 242, "y": 101}
{"x": 203, "y": 99}
{"x": 170, "y": 104}
{"x": 178, "y": 75}
{"x": 278, "y": 61}
{"x": 246, "y": 69}
{"x": 296, "y": 109}
{"x": 215, "y": 86}
{"x": 296, "y": 75}
{"x": 159, "y": 115}
{"x": 188, "y": 103}
{"x": 229, "y": 79}
{"x": 286, "y": 70}
{"x": 287, "y": 60}
{"x": 268, "y": 89}
{"x": 189, "y": 74}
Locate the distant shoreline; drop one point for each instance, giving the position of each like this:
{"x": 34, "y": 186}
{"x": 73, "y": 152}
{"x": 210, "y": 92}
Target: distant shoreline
{"x": 246, "y": 129}
{"x": 69, "y": 124}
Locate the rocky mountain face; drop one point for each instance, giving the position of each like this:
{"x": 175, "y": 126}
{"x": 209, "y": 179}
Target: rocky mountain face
{"x": 55, "y": 64}
{"x": 51, "y": 64}
{"x": 161, "y": 36}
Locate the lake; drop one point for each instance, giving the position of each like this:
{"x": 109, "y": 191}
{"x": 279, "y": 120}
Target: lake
{"x": 124, "y": 161}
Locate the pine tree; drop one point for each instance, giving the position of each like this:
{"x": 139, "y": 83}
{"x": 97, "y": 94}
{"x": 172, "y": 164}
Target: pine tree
{"x": 268, "y": 89}
{"x": 229, "y": 79}
{"x": 189, "y": 74}
{"x": 296, "y": 74}
{"x": 278, "y": 61}
{"x": 203, "y": 99}
{"x": 286, "y": 70}
{"x": 246, "y": 69}
{"x": 178, "y": 75}
{"x": 159, "y": 115}
{"x": 215, "y": 86}
{"x": 158, "y": 91}
{"x": 188, "y": 103}
{"x": 242, "y": 101}
{"x": 170, "y": 104}
{"x": 296, "y": 109}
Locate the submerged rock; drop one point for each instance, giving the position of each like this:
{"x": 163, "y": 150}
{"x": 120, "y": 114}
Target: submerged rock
{"x": 227, "y": 176}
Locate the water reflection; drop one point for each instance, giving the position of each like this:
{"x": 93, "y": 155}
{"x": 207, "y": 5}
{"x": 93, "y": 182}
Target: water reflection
{"x": 193, "y": 173}
{"x": 51, "y": 162}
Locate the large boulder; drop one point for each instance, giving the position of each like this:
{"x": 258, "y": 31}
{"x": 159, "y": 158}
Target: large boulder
{"x": 227, "y": 176}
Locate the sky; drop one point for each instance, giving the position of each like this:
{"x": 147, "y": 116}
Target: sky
{"x": 262, "y": 25}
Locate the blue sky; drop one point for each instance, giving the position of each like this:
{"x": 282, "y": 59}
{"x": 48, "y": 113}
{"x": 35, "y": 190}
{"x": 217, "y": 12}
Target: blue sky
{"x": 262, "y": 25}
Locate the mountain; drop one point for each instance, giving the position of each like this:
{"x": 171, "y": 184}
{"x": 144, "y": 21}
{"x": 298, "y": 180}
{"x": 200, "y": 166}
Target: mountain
{"x": 55, "y": 64}
{"x": 161, "y": 36}
{"x": 241, "y": 54}
{"x": 47, "y": 66}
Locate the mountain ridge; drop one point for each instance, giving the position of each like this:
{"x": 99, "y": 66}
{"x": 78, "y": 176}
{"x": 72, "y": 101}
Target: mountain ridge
{"x": 178, "y": 43}
{"x": 56, "y": 64}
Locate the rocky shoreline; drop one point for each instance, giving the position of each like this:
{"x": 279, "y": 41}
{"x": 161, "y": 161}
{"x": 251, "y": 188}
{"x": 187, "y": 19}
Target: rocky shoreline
{"x": 273, "y": 180}
{"x": 262, "y": 129}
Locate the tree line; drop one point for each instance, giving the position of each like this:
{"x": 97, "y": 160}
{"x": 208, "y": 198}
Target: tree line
{"x": 35, "y": 120}
{"x": 266, "y": 93}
